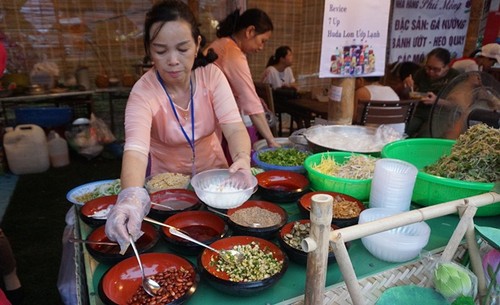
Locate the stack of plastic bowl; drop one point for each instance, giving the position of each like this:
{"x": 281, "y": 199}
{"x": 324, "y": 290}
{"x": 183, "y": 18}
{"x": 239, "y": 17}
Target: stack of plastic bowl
{"x": 397, "y": 245}
{"x": 392, "y": 184}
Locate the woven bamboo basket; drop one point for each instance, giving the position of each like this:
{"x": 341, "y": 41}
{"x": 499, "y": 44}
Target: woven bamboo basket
{"x": 416, "y": 272}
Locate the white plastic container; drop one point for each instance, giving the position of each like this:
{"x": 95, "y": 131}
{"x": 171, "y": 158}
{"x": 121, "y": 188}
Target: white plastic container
{"x": 26, "y": 149}
{"x": 58, "y": 150}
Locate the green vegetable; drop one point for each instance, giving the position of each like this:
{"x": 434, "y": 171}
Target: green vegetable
{"x": 475, "y": 156}
{"x": 283, "y": 157}
{"x": 452, "y": 281}
{"x": 463, "y": 300}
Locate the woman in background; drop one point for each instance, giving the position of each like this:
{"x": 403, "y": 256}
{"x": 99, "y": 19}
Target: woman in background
{"x": 430, "y": 79}
{"x": 239, "y": 35}
{"x": 278, "y": 71}
{"x": 174, "y": 117}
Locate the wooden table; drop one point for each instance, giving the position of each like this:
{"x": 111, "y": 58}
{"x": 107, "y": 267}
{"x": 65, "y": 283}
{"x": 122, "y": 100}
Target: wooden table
{"x": 303, "y": 110}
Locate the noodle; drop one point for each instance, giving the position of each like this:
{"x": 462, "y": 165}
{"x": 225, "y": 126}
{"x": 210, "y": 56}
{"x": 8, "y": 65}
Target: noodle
{"x": 357, "y": 167}
{"x": 167, "y": 181}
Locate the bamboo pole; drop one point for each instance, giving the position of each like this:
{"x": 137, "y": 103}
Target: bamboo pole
{"x": 475, "y": 260}
{"x": 458, "y": 234}
{"x": 317, "y": 260}
{"x": 391, "y": 222}
{"x": 347, "y": 270}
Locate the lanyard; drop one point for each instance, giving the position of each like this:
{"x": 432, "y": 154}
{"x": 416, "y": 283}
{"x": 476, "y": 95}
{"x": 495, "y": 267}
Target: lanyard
{"x": 190, "y": 141}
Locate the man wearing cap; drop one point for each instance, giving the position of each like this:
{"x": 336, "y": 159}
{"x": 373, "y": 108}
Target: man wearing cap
{"x": 480, "y": 60}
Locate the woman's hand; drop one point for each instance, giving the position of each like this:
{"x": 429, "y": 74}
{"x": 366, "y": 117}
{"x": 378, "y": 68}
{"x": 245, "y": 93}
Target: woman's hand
{"x": 126, "y": 216}
{"x": 273, "y": 143}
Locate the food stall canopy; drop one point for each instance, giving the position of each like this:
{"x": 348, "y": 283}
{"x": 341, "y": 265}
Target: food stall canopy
{"x": 354, "y": 38}
{"x": 418, "y": 26}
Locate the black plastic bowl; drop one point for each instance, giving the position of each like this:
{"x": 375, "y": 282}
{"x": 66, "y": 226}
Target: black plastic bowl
{"x": 119, "y": 284}
{"x": 256, "y": 230}
{"x": 296, "y": 255}
{"x": 111, "y": 254}
{"x": 282, "y": 186}
{"x": 220, "y": 280}
{"x": 175, "y": 201}
{"x": 203, "y": 226}
{"x": 304, "y": 205}
{"x": 93, "y": 206}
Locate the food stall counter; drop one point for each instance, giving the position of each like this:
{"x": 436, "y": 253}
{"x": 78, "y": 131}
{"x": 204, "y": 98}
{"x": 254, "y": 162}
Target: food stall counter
{"x": 288, "y": 289}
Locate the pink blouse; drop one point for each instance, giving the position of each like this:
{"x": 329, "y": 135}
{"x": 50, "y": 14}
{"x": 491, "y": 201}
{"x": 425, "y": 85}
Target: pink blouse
{"x": 151, "y": 127}
{"x": 233, "y": 62}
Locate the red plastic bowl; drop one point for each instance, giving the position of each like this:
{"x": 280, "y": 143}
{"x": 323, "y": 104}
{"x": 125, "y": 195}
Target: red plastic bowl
{"x": 175, "y": 200}
{"x": 93, "y": 206}
{"x": 304, "y": 205}
{"x": 282, "y": 186}
{"x": 220, "y": 280}
{"x": 200, "y": 225}
{"x": 258, "y": 231}
{"x": 121, "y": 281}
{"x": 111, "y": 254}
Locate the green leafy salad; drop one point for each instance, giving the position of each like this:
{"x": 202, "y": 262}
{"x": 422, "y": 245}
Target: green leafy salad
{"x": 284, "y": 157}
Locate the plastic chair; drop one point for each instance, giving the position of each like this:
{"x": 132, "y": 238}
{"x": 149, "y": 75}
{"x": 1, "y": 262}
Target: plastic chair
{"x": 265, "y": 92}
{"x": 386, "y": 112}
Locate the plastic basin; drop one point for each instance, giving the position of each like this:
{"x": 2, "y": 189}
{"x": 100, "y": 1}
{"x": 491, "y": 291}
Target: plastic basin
{"x": 359, "y": 189}
{"x": 431, "y": 189}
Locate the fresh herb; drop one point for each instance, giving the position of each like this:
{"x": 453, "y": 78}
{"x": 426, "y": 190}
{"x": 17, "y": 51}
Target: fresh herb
{"x": 257, "y": 265}
{"x": 475, "y": 156}
{"x": 284, "y": 156}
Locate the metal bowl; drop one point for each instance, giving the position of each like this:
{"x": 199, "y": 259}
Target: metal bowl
{"x": 358, "y": 139}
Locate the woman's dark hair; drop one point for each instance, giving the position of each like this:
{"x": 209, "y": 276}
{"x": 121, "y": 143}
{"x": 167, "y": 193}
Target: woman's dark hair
{"x": 172, "y": 10}
{"x": 280, "y": 52}
{"x": 235, "y": 22}
{"x": 441, "y": 54}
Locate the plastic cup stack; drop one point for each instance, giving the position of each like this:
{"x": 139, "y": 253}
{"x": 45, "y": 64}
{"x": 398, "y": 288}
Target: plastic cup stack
{"x": 392, "y": 184}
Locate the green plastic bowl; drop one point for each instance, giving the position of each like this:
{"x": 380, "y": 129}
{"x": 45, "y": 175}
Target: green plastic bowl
{"x": 359, "y": 189}
{"x": 431, "y": 189}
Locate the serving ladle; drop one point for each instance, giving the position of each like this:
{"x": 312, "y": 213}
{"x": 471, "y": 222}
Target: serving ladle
{"x": 238, "y": 256}
{"x": 253, "y": 224}
{"x": 150, "y": 286}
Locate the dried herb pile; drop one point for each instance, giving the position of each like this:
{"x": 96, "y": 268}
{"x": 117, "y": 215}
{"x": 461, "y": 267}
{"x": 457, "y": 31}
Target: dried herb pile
{"x": 474, "y": 157}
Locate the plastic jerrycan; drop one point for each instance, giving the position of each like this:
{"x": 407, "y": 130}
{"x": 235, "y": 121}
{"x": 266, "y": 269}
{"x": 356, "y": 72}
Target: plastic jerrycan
{"x": 26, "y": 149}
{"x": 58, "y": 150}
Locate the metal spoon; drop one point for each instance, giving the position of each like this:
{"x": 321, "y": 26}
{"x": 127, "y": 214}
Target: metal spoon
{"x": 161, "y": 205}
{"x": 238, "y": 256}
{"x": 222, "y": 253}
{"x": 253, "y": 225}
{"x": 149, "y": 285}
{"x": 84, "y": 241}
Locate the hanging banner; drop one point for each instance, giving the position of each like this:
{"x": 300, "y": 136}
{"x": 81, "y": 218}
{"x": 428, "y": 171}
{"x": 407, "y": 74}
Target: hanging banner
{"x": 418, "y": 26}
{"x": 354, "y": 38}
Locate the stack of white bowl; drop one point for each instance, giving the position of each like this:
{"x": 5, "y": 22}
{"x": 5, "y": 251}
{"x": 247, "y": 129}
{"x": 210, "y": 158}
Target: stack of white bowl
{"x": 392, "y": 184}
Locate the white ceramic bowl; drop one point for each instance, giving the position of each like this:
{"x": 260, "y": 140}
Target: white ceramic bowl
{"x": 216, "y": 190}
{"x": 396, "y": 245}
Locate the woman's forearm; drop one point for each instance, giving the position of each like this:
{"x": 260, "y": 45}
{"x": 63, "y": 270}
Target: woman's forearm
{"x": 133, "y": 169}
{"x": 260, "y": 122}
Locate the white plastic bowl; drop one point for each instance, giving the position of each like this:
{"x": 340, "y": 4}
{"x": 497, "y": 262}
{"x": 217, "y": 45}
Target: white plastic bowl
{"x": 396, "y": 245}
{"x": 216, "y": 190}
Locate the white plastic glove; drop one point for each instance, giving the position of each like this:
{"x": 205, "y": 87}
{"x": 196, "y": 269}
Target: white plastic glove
{"x": 126, "y": 216}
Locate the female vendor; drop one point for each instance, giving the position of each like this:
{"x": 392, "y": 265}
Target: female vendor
{"x": 175, "y": 116}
